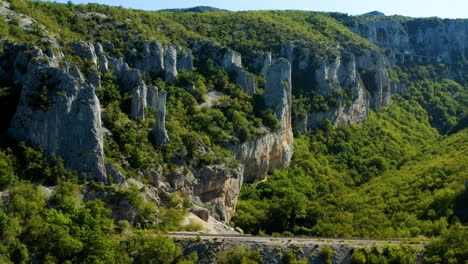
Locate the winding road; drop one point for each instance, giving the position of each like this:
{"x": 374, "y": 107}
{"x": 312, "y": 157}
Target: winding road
{"x": 299, "y": 241}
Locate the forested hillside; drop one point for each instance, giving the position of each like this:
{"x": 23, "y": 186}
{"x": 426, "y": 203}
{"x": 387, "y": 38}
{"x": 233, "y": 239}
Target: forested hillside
{"x": 117, "y": 125}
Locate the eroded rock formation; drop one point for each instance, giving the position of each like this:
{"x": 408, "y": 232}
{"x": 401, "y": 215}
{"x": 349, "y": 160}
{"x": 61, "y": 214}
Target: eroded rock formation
{"x": 170, "y": 64}
{"x": 159, "y": 132}
{"x": 274, "y": 150}
{"x": 230, "y": 60}
{"x": 59, "y": 111}
{"x": 439, "y": 41}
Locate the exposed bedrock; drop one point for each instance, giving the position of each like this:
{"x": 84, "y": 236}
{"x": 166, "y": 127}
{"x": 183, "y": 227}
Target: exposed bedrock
{"x": 59, "y": 110}
{"x": 230, "y": 60}
{"x": 417, "y": 40}
{"x": 273, "y": 150}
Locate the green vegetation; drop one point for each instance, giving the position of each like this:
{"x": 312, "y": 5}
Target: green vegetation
{"x": 27, "y": 163}
{"x": 395, "y": 176}
{"x": 403, "y": 255}
{"x": 238, "y": 255}
{"x": 326, "y": 254}
{"x": 450, "y": 247}
{"x": 445, "y": 100}
{"x": 289, "y": 257}
{"x": 7, "y": 171}
{"x": 242, "y": 31}
{"x": 197, "y": 9}
{"x": 65, "y": 229}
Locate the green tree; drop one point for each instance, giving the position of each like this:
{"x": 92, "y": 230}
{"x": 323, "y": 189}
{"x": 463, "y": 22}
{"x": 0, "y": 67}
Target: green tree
{"x": 7, "y": 170}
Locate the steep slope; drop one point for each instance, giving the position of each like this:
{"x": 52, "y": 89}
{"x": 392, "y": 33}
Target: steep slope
{"x": 153, "y": 114}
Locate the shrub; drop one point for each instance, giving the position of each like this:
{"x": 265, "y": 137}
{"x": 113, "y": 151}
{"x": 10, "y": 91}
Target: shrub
{"x": 149, "y": 249}
{"x": 238, "y": 255}
{"x": 7, "y": 171}
{"x": 326, "y": 254}
{"x": 358, "y": 257}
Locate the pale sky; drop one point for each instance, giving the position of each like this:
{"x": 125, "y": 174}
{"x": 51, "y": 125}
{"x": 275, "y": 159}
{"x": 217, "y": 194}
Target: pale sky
{"x": 413, "y": 8}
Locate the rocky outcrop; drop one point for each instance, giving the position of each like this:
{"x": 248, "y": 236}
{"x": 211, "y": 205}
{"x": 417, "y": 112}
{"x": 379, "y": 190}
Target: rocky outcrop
{"x": 85, "y": 50}
{"x": 151, "y": 59}
{"x": 217, "y": 188}
{"x": 115, "y": 174}
{"x": 341, "y": 74}
{"x": 201, "y": 212}
{"x": 373, "y": 68}
{"x": 343, "y": 114}
{"x": 274, "y": 150}
{"x": 326, "y": 75}
{"x": 139, "y": 100}
{"x": 94, "y": 79}
{"x": 129, "y": 78}
{"x": 261, "y": 62}
{"x": 246, "y": 80}
{"x": 287, "y": 51}
{"x": 170, "y": 65}
{"x": 230, "y": 60}
{"x": 103, "y": 64}
{"x": 418, "y": 40}
{"x": 278, "y": 91}
{"x": 213, "y": 189}
{"x": 184, "y": 59}
{"x": 156, "y": 61}
{"x": 59, "y": 111}
{"x": 350, "y": 82}
{"x": 159, "y": 132}
{"x": 152, "y": 97}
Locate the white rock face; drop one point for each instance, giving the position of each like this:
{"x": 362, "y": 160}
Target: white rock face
{"x": 139, "y": 100}
{"x": 287, "y": 51}
{"x": 152, "y": 97}
{"x": 151, "y": 59}
{"x": 170, "y": 65}
{"x": 442, "y": 41}
{"x": 326, "y": 75}
{"x": 343, "y": 114}
{"x": 230, "y": 60}
{"x": 159, "y": 132}
{"x": 341, "y": 73}
{"x": 184, "y": 59}
{"x": 117, "y": 176}
{"x": 266, "y": 64}
{"x": 68, "y": 123}
{"x": 85, "y": 50}
{"x": 274, "y": 150}
{"x": 218, "y": 188}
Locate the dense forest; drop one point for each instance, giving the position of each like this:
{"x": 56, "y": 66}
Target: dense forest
{"x": 402, "y": 174}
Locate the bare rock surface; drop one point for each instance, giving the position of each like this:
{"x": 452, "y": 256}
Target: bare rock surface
{"x": 59, "y": 111}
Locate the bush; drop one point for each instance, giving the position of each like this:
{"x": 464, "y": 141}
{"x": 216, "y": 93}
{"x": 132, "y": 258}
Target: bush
{"x": 149, "y": 249}
{"x": 450, "y": 247}
{"x": 239, "y": 255}
{"x": 326, "y": 254}
{"x": 193, "y": 226}
{"x": 7, "y": 171}
{"x": 358, "y": 257}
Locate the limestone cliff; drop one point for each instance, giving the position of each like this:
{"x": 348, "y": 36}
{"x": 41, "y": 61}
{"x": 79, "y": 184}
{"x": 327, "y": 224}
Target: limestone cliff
{"x": 215, "y": 187}
{"x": 230, "y": 60}
{"x": 351, "y": 81}
{"x": 273, "y": 150}
{"x": 417, "y": 40}
{"x": 58, "y": 110}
